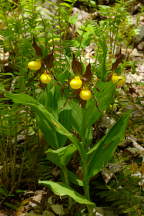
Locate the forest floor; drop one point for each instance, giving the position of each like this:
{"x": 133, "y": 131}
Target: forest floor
{"x": 33, "y": 201}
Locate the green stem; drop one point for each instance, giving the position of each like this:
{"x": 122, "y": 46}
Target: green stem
{"x": 67, "y": 183}
{"x": 86, "y": 189}
{"x": 87, "y": 194}
{"x": 86, "y": 181}
{"x": 65, "y": 175}
{"x": 90, "y": 213}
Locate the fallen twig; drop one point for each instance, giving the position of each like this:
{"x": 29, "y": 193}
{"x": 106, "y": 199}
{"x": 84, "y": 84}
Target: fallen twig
{"x": 136, "y": 145}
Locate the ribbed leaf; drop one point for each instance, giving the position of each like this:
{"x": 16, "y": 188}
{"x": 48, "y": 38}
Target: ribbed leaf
{"x": 42, "y": 112}
{"x": 53, "y": 101}
{"x": 61, "y": 156}
{"x": 104, "y": 94}
{"x": 49, "y": 134}
{"x": 104, "y": 149}
{"x": 61, "y": 189}
{"x": 77, "y": 115}
{"x": 50, "y": 97}
{"x": 90, "y": 115}
{"x": 94, "y": 108}
{"x": 65, "y": 119}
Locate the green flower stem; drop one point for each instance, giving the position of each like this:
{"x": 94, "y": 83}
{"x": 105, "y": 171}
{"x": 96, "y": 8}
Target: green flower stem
{"x": 65, "y": 175}
{"x": 85, "y": 180}
{"x": 66, "y": 180}
{"x": 87, "y": 194}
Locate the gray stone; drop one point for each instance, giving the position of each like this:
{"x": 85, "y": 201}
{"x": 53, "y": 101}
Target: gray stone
{"x": 140, "y": 46}
{"x": 140, "y": 36}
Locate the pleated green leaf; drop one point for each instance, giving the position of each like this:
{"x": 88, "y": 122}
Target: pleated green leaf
{"x": 104, "y": 149}
{"x": 42, "y": 112}
{"x": 61, "y": 189}
{"x": 61, "y": 156}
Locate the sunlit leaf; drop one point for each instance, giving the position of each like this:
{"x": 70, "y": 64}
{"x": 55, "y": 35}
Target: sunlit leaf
{"x": 61, "y": 156}
{"x": 43, "y": 113}
{"x": 61, "y": 189}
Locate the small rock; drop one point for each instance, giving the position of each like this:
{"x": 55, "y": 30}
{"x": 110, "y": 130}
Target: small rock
{"x": 103, "y": 211}
{"x": 134, "y": 78}
{"x": 140, "y": 46}
{"x": 82, "y": 17}
{"x": 135, "y": 53}
{"x": 140, "y": 36}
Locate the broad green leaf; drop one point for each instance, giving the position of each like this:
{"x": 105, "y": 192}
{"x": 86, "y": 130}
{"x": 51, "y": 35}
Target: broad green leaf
{"x": 73, "y": 19}
{"x": 22, "y": 99}
{"x": 65, "y": 118}
{"x": 50, "y": 135}
{"x": 61, "y": 189}
{"x": 50, "y": 97}
{"x": 88, "y": 136}
{"x": 55, "y": 103}
{"x": 61, "y": 156}
{"x": 77, "y": 115}
{"x": 104, "y": 149}
{"x": 43, "y": 113}
{"x": 44, "y": 125}
{"x": 104, "y": 94}
{"x": 90, "y": 115}
{"x": 94, "y": 108}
